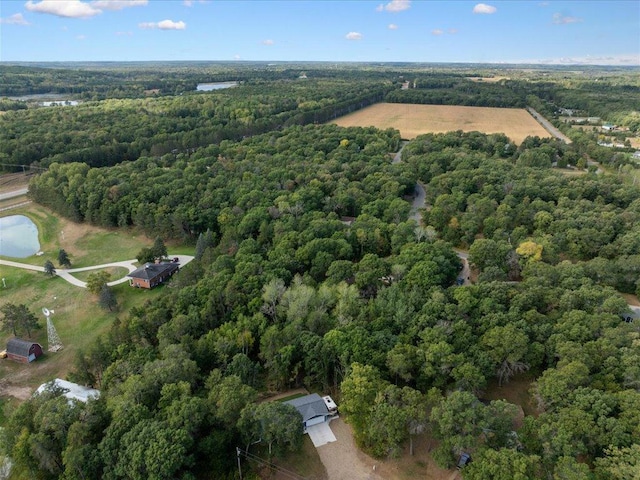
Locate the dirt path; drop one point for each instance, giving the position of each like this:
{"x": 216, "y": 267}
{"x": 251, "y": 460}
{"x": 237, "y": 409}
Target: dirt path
{"x": 288, "y": 393}
{"x": 343, "y": 460}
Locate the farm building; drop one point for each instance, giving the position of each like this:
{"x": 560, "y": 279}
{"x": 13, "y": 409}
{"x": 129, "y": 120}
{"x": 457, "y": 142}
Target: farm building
{"x": 313, "y": 408}
{"x": 71, "y": 390}
{"x": 24, "y": 351}
{"x": 152, "y": 274}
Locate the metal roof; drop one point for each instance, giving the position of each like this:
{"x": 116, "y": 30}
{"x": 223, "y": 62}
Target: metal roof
{"x": 70, "y": 390}
{"x": 17, "y": 346}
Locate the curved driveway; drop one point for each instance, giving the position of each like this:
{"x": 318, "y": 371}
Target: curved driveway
{"x": 66, "y": 274}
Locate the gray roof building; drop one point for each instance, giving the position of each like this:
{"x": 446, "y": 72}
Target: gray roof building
{"x": 312, "y": 408}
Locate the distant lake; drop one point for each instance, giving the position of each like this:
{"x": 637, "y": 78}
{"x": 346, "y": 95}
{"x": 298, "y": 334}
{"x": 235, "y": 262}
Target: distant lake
{"x": 18, "y": 237}
{"x": 208, "y": 87}
{"x": 62, "y": 103}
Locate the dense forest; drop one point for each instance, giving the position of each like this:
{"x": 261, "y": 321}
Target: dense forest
{"x": 310, "y": 272}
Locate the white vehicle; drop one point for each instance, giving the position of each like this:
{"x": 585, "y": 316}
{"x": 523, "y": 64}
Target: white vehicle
{"x": 331, "y": 405}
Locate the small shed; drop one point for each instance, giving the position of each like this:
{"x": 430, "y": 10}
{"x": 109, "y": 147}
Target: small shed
{"x": 24, "y": 351}
{"x": 152, "y": 274}
{"x": 312, "y": 408}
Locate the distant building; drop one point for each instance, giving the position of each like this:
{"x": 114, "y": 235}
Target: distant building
{"x": 24, "y": 351}
{"x": 152, "y": 274}
{"x": 71, "y": 390}
{"x": 608, "y": 127}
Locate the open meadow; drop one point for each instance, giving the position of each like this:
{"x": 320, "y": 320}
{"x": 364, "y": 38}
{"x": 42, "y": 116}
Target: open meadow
{"x": 413, "y": 120}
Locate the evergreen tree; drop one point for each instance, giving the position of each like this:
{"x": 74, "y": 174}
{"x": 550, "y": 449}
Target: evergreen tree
{"x": 49, "y": 269}
{"x": 107, "y": 298}
{"x": 159, "y": 249}
{"x": 63, "y": 258}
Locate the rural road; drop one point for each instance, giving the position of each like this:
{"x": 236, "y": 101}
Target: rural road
{"x": 548, "y": 126}
{"x": 66, "y": 274}
{"x": 14, "y": 193}
{"x": 418, "y": 203}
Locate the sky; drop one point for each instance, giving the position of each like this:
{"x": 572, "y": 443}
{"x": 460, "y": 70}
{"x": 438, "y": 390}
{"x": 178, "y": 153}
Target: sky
{"x": 599, "y": 32}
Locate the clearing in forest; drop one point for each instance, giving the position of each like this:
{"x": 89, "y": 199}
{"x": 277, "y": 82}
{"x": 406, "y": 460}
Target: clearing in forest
{"x": 413, "y": 120}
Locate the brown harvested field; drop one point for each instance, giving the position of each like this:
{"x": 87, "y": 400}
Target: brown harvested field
{"x": 488, "y": 79}
{"x": 413, "y": 120}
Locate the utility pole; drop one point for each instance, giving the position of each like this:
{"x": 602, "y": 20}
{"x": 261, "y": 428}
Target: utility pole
{"x": 239, "y": 467}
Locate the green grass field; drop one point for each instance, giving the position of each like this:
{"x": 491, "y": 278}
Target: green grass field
{"x": 77, "y": 317}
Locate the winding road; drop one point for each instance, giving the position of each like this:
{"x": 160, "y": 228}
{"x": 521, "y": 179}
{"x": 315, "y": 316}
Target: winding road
{"x": 418, "y": 203}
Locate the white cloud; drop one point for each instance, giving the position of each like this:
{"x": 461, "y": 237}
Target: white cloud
{"x": 394, "y": 6}
{"x": 15, "y": 19}
{"x": 237, "y": 57}
{"x": 163, "y": 25}
{"x": 63, "y": 8}
{"x": 437, "y": 31}
{"x": 189, "y": 3}
{"x": 81, "y": 37}
{"x": 484, "y": 8}
{"x": 124, "y": 34}
{"x": 560, "y": 19}
{"x": 80, "y": 9}
{"x": 453, "y": 31}
{"x": 268, "y": 42}
{"x": 392, "y": 26}
{"x": 353, "y": 36}
{"x": 171, "y": 25}
{"x": 118, "y": 4}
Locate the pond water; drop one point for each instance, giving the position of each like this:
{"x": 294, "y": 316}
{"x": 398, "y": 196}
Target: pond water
{"x": 208, "y": 87}
{"x": 18, "y": 237}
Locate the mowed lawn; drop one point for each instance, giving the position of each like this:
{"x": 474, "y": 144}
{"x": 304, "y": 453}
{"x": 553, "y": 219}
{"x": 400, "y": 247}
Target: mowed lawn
{"x": 413, "y": 120}
{"x": 77, "y": 317}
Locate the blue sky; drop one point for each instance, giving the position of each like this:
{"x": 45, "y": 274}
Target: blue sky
{"x": 571, "y": 32}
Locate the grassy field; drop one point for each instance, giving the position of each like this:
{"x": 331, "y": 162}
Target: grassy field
{"x": 413, "y": 120}
{"x": 77, "y": 317}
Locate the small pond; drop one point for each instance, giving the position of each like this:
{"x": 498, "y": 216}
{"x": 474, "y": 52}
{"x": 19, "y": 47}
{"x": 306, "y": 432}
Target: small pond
{"x": 208, "y": 87}
{"x": 18, "y": 237}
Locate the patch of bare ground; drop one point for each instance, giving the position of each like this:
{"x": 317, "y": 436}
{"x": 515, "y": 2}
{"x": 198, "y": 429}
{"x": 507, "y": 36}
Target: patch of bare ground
{"x": 13, "y": 181}
{"x": 631, "y": 299}
{"x": 418, "y": 465}
{"x": 516, "y": 391}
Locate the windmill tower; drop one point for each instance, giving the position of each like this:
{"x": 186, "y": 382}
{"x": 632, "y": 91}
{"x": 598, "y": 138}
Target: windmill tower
{"x": 53, "y": 339}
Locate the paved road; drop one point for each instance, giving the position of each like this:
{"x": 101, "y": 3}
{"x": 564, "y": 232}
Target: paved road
{"x": 66, "y": 274}
{"x": 14, "y": 193}
{"x": 548, "y": 126}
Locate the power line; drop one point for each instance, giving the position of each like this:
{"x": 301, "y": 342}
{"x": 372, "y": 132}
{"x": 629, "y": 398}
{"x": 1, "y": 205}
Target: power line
{"x": 266, "y": 463}
{"x": 23, "y": 166}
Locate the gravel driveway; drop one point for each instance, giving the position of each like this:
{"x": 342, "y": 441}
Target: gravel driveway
{"x": 342, "y": 459}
